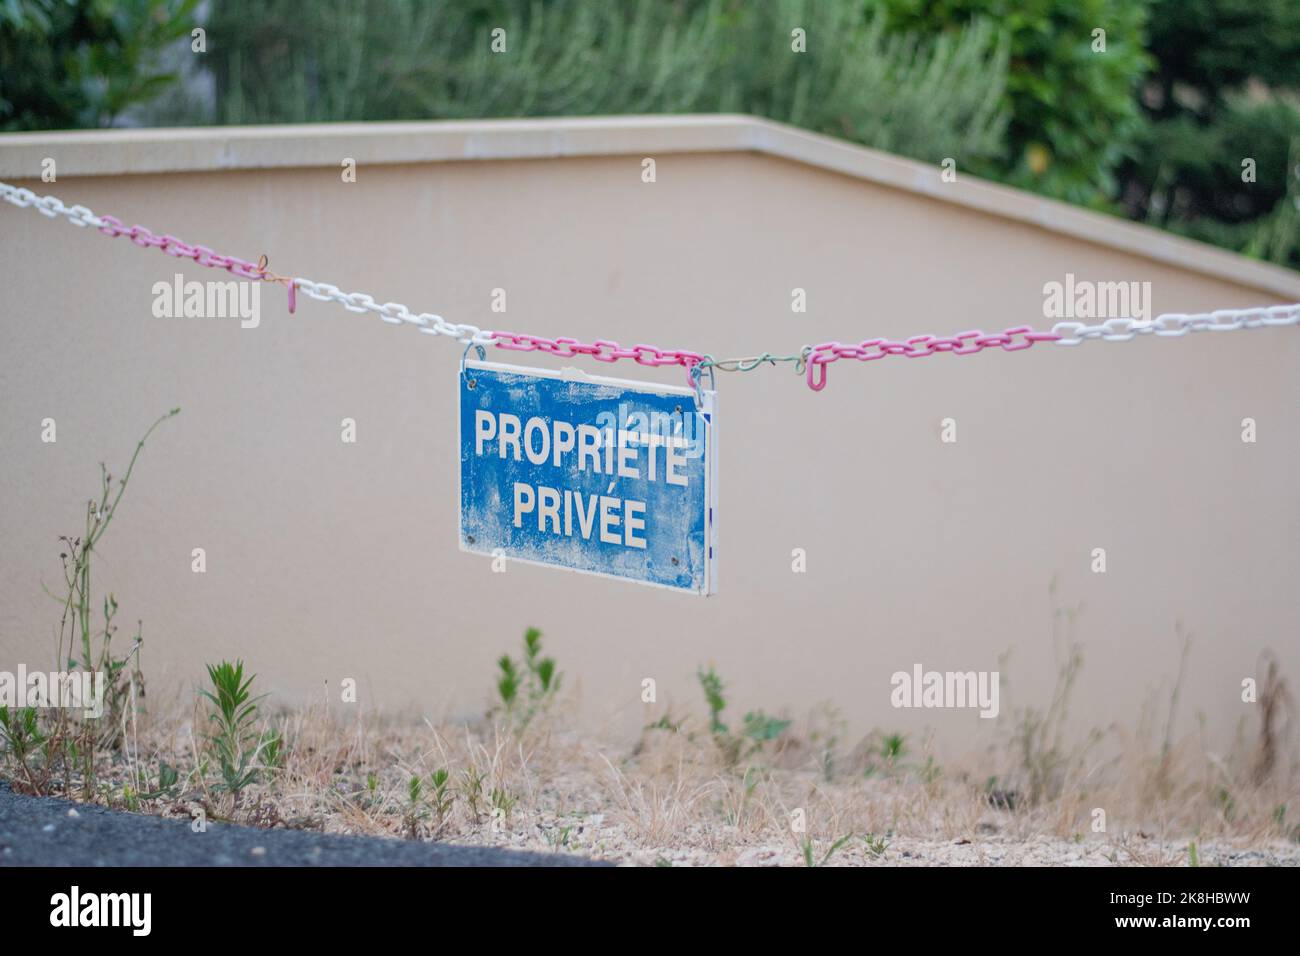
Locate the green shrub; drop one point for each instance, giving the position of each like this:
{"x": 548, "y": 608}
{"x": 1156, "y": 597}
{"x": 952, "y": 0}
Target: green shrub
{"x": 400, "y": 59}
{"x": 68, "y": 64}
{"x": 1074, "y": 112}
{"x": 1226, "y": 89}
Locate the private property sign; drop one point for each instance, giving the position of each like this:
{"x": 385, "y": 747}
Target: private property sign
{"x": 591, "y": 474}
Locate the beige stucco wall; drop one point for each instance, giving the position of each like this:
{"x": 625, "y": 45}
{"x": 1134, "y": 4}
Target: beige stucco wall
{"x": 328, "y": 560}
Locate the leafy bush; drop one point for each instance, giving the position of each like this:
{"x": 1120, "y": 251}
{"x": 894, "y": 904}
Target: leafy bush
{"x": 68, "y": 64}
{"x": 1074, "y": 112}
{"x": 399, "y": 59}
{"x": 1226, "y": 89}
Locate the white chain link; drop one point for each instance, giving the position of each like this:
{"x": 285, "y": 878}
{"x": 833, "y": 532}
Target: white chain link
{"x": 50, "y": 206}
{"x": 1175, "y": 324}
{"x": 391, "y": 312}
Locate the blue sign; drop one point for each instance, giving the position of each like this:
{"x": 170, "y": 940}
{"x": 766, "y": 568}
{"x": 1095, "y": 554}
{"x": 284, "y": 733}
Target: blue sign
{"x": 590, "y": 474}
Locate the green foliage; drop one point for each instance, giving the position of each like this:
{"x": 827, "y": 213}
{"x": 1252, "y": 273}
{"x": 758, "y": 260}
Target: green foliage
{"x": 528, "y": 687}
{"x": 1290, "y": 830}
{"x": 471, "y": 790}
{"x": 1154, "y": 126}
{"x": 235, "y": 742}
{"x": 1226, "y": 89}
{"x": 168, "y": 783}
{"x": 884, "y": 753}
{"x": 77, "y": 630}
{"x": 711, "y": 684}
{"x": 810, "y": 859}
{"x": 1074, "y": 111}
{"x": 81, "y": 63}
{"x": 757, "y": 727}
{"x": 64, "y": 741}
{"x": 415, "y": 808}
{"x": 272, "y": 747}
{"x": 558, "y": 838}
{"x": 402, "y": 59}
{"x": 442, "y": 794}
{"x": 502, "y": 803}
{"x": 21, "y": 733}
{"x": 875, "y": 845}
{"x": 761, "y": 728}
{"x": 1215, "y": 46}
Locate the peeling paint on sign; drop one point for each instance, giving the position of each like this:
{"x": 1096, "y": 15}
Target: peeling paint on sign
{"x": 590, "y": 474}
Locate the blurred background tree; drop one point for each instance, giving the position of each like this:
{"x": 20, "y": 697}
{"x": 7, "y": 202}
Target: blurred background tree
{"x": 396, "y": 59}
{"x": 1225, "y": 91}
{"x": 68, "y": 64}
{"x": 1155, "y": 124}
{"x": 1074, "y": 110}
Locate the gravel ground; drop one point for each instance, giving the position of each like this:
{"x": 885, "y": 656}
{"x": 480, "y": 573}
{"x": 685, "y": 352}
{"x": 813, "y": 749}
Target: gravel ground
{"x": 719, "y": 845}
{"x": 36, "y": 831}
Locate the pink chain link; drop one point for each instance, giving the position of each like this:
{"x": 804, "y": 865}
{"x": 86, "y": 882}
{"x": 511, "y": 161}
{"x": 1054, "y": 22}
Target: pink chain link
{"x": 182, "y": 250}
{"x": 919, "y": 346}
{"x": 601, "y": 350}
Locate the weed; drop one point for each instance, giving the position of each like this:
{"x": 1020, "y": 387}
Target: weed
{"x": 558, "y": 837}
{"x": 998, "y": 798}
{"x": 711, "y": 684}
{"x": 809, "y": 859}
{"x": 761, "y": 728}
{"x": 168, "y": 783}
{"x": 234, "y": 712}
{"x": 1274, "y": 698}
{"x": 502, "y": 804}
{"x": 1038, "y": 737}
{"x": 930, "y": 771}
{"x": 415, "y": 809}
{"x": 272, "y": 747}
{"x": 884, "y": 753}
{"x": 1160, "y": 780}
{"x": 824, "y": 739}
{"x": 443, "y": 797}
{"x": 63, "y": 741}
{"x": 876, "y": 846}
{"x": 1291, "y": 831}
{"x": 667, "y": 723}
{"x": 22, "y": 736}
{"x": 757, "y": 728}
{"x": 471, "y": 789}
{"x": 1227, "y": 805}
{"x": 528, "y": 687}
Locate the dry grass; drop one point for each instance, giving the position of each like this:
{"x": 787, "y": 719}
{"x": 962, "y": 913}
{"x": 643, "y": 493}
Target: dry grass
{"x": 673, "y": 797}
